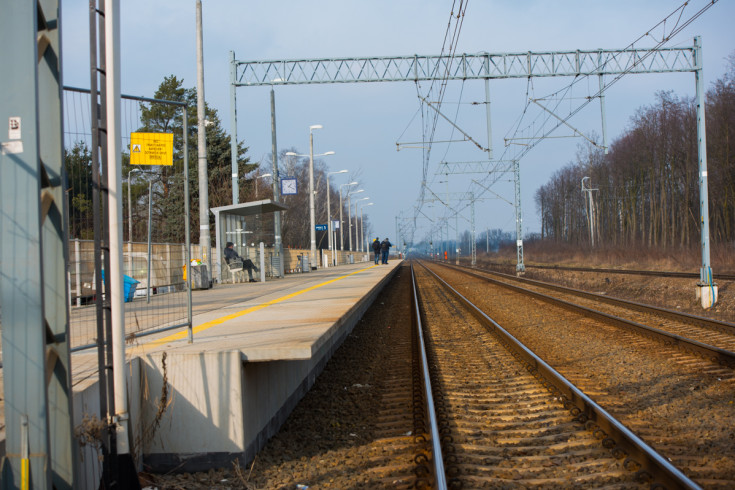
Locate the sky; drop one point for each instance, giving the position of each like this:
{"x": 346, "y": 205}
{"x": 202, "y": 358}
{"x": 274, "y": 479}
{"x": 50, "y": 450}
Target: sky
{"x": 362, "y": 123}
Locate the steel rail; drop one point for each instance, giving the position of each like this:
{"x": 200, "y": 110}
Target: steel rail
{"x": 652, "y": 464}
{"x": 701, "y": 321}
{"x": 715, "y": 354}
{"x": 685, "y": 275}
{"x": 440, "y": 478}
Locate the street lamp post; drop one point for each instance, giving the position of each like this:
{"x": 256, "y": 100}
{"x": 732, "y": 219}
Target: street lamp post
{"x": 130, "y": 208}
{"x": 358, "y": 247}
{"x": 341, "y": 221}
{"x": 332, "y": 245}
{"x": 349, "y": 212}
{"x": 362, "y": 228}
{"x": 130, "y": 225}
{"x": 311, "y": 193}
{"x": 312, "y": 231}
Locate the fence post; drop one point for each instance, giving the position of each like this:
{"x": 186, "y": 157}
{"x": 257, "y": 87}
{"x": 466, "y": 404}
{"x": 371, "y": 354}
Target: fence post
{"x": 78, "y": 270}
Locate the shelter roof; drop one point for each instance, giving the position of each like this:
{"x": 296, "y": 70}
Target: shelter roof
{"x": 250, "y": 208}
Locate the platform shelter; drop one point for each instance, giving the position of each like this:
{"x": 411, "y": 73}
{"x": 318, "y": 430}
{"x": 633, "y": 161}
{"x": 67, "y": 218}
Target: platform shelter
{"x": 231, "y": 225}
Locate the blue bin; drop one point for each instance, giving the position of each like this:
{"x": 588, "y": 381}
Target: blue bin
{"x": 130, "y": 285}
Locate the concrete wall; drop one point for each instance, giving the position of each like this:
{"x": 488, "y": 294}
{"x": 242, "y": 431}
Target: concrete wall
{"x": 222, "y": 407}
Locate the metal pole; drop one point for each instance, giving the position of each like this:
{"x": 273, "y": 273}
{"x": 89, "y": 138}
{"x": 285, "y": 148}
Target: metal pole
{"x": 329, "y": 218}
{"x": 130, "y": 226}
{"x": 114, "y": 156}
{"x": 487, "y": 115}
{"x": 362, "y": 231}
{"x": 341, "y": 222}
{"x": 457, "y": 240}
{"x": 357, "y": 241}
{"x": 520, "y": 266}
{"x": 187, "y": 221}
{"x": 602, "y": 112}
{"x": 205, "y": 240}
{"x": 705, "y": 273}
{"x": 312, "y": 231}
{"x": 277, "y": 246}
{"x": 233, "y": 126}
{"x": 99, "y": 156}
{"x": 473, "y": 245}
{"x": 150, "y": 214}
{"x": 130, "y": 213}
{"x": 262, "y": 262}
{"x": 349, "y": 218}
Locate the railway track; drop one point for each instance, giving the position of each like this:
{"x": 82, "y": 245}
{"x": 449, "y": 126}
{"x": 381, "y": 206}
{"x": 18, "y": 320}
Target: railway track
{"x": 687, "y": 275}
{"x": 508, "y": 419}
{"x": 678, "y": 401}
{"x": 712, "y": 339}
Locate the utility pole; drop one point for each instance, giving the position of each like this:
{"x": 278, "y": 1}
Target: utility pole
{"x": 204, "y": 236}
{"x": 590, "y": 210}
{"x": 277, "y": 246}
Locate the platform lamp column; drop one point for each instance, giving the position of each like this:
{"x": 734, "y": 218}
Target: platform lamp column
{"x": 358, "y": 245}
{"x": 130, "y": 225}
{"x": 362, "y": 229}
{"x": 349, "y": 214}
{"x": 332, "y": 245}
{"x": 312, "y": 231}
{"x": 341, "y": 221}
{"x": 312, "y": 223}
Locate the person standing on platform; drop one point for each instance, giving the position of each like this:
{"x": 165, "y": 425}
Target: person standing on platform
{"x": 385, "y": 246}
{"x": 376, "y": 249}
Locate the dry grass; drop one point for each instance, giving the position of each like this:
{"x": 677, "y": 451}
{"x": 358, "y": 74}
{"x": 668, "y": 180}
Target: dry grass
{"x": 722, "y": 257}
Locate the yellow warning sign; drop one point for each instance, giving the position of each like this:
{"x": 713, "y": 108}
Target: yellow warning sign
{"x": 151, "y": 149}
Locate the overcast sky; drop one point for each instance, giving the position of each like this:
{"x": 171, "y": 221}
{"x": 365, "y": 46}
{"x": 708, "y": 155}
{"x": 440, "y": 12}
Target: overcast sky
{"x": 363, "y": 122}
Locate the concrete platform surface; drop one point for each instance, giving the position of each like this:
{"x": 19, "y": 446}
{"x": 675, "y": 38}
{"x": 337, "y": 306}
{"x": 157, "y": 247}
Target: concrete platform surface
{"x": 286, "y": 319}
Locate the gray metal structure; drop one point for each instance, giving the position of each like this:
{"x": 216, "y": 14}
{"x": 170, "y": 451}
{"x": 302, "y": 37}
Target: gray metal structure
{"x": 480, "y": 66}
{"x": 487, "y": 66}
{"x": 36, "y": 361}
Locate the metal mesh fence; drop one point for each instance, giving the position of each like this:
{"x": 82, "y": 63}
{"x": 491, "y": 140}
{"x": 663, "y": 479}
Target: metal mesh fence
{"x": 154, "y": 218}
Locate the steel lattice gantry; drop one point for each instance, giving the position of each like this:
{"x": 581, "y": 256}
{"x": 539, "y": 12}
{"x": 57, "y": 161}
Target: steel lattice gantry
{"x": 33, "y": 289}
{"x": 487, "y": 66}
{"x": 479, "y": 66}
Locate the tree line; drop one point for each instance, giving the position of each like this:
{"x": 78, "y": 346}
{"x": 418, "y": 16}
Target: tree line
{"x": 647, "y": 186}
{"x": 167, "y": 182}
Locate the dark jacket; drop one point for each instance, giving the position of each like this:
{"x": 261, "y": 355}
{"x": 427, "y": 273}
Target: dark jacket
{"x": 230, "y": 255}
{"x": 385, "y": 245}
{"x": 376, "y": 245}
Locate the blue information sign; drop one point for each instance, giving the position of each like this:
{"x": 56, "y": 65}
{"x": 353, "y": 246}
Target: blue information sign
{"x": 320, "y": 227}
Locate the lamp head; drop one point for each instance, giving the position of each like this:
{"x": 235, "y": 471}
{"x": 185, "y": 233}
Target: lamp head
{"x": 315, "y": 126}
{"x": 352, "y": 183}
{"x": 329, "y": 153}
{"x": 291, "y": 154}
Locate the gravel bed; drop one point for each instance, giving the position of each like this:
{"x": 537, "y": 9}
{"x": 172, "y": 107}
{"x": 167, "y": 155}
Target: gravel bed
{"x": 684, "y": 409}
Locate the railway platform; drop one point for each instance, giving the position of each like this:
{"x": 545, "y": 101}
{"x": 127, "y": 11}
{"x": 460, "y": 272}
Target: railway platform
{"x": 257, "y": 349}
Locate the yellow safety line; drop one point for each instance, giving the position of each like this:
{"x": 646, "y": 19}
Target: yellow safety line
{"x": 218, "y": 321}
